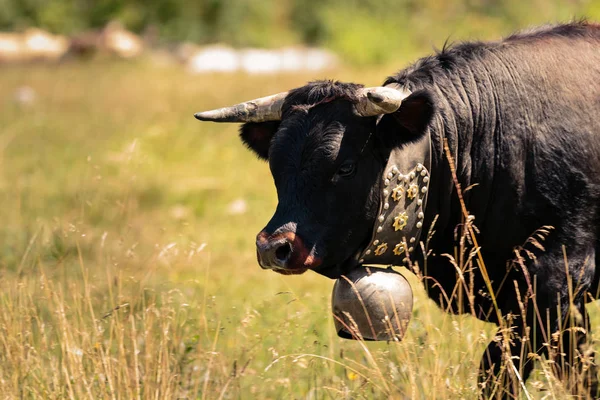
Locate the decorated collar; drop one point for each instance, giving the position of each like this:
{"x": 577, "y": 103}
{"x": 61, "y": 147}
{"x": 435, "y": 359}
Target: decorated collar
{"x": 404, "y": 186}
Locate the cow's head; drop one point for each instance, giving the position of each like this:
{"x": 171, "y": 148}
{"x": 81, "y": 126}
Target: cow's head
{"x": 327, "y": 144}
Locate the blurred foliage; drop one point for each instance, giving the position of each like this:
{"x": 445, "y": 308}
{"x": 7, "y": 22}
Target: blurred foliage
{"x": 363, "y": 31}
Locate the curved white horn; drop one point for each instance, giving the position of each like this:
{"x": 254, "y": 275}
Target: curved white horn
{"x": 257, "y": 110}
{"x": 379, "y": 100}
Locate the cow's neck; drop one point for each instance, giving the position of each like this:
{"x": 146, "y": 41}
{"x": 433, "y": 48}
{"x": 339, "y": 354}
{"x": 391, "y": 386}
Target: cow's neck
{"x": 458, "y": 131}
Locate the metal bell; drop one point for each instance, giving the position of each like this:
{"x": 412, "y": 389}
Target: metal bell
{"x": 372, "y": 304}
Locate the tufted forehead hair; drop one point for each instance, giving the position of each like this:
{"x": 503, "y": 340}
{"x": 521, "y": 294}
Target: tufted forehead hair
{"x": 320, "y": 92}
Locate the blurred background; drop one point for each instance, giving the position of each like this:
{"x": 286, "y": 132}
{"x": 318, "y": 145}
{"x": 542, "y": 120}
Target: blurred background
{"x": 127, "y": 260}
{"x": 360, "y": 31}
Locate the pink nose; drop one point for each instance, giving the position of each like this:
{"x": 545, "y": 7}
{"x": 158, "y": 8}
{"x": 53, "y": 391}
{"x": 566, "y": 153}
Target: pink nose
{"x": 284, "y": 253}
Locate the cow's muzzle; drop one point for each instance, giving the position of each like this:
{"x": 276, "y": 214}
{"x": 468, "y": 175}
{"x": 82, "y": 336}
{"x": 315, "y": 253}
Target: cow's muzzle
{"x": 285, "y": 253}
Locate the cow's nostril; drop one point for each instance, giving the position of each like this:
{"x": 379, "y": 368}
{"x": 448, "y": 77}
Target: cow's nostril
{"x": 283, "y": 252}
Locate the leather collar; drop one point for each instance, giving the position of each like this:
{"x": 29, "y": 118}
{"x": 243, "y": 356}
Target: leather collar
{"x": 404, "y": 186}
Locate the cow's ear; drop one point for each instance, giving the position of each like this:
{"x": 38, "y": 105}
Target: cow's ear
{"x": 257, "y": 136}
{"x": 410, "y": 122}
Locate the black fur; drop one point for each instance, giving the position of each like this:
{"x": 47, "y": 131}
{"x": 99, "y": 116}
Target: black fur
{"x": 521, "y": 120}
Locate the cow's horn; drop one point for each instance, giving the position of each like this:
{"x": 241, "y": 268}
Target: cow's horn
{"x": 379, "y": 100}
{"x": 258, "y": 110}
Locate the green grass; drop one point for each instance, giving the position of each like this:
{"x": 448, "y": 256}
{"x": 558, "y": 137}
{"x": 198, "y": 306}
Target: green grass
{"x": 122, "y": 274}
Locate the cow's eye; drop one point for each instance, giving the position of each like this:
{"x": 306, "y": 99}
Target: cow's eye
{"x": 347, "y": 168}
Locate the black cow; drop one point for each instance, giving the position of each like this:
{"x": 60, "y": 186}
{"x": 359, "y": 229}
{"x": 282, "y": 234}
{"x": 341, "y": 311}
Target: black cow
{"x": 516, "y": 122}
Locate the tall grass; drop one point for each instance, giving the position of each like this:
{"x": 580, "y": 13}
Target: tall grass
{"x": 124, "y": 274}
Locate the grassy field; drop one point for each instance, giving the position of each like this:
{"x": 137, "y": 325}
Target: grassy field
{"x": 125, "y": 271}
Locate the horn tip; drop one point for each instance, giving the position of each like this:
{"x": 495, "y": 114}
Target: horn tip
{"x": 201, "y": 116}
{"x": 375, "y": 97}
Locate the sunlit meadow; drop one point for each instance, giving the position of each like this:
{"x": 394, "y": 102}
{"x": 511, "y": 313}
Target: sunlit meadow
{"x": 127, "y": 261}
